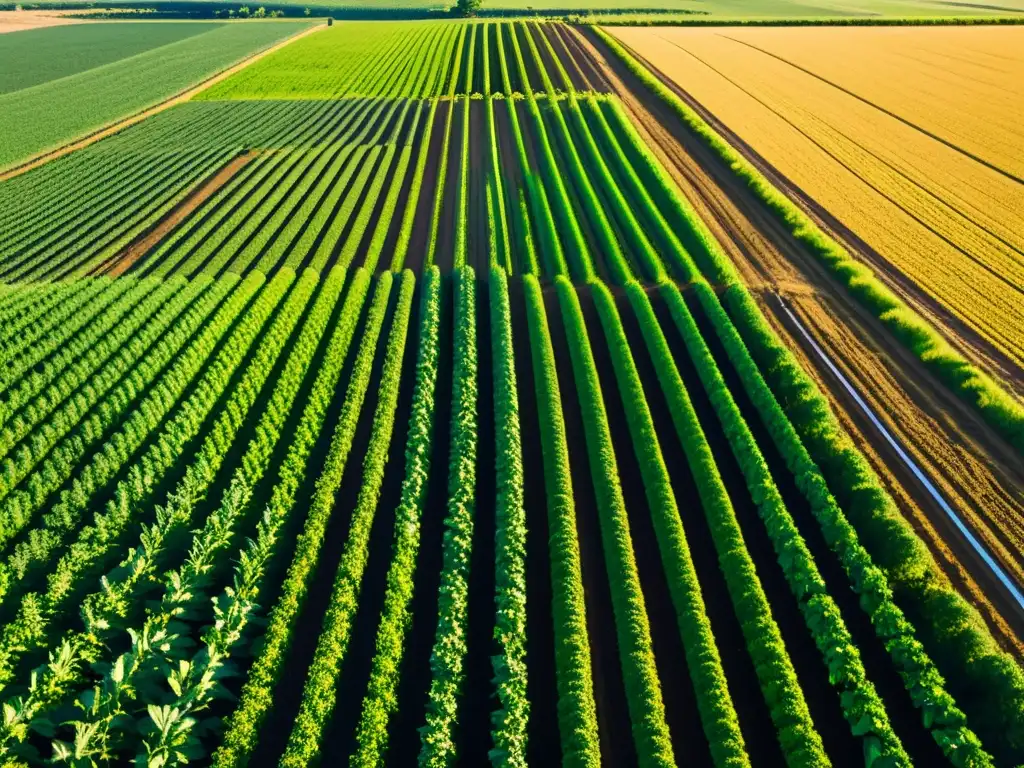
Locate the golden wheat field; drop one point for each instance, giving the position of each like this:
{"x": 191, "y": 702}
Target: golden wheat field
{"x": 910, "y": 137}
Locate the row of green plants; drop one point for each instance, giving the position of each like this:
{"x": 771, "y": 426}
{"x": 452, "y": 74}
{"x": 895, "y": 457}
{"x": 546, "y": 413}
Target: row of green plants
{"x": 24, "y": 325}
{"x": 110, "y": 711}
{"x": 442, "y": 172}
{"x": 632, "y": 628}
{"x": 551, "y": 179}
{"x": 25, "y": 361}
{"x": 998, "y": 407}
{"x": 81, "y": 384}
{"x": 940, "y": 713}
{"x": 448, "y": 658}
{"x": 93, "y": 543}
{"x": 60, "y": 374}
{"x": 67, "y": 435}
{"x": 320, "y": 691}
{"x": 577, "y": 709}
{"x": 718, "y": 716}
{"x": 380, "y": 701}
{"x": 103, "y": 231}
{"x": 987, "y": 684}
{"x": 204, "y": 233}
{"x": 243, "y": 726}
{"x": 647, "y": 261}
{"x": 462, "y": 192}
{"x": 862, "y": 707}
{"x": 415, "y": 189}
{"x": 510, "y": 720}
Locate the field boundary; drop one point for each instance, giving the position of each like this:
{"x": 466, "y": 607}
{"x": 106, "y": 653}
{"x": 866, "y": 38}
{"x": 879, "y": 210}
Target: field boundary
{"x": 996, "y": 405}
{"x": 126, "y": 122}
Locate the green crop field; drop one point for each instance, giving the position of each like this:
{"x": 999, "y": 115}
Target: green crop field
{"x": 39, "y": 55}
{"x": 58, "y": 109}
{"x": 390, "y": 404}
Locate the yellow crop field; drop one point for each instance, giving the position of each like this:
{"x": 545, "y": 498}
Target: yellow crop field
{"x": 912, "y": 138}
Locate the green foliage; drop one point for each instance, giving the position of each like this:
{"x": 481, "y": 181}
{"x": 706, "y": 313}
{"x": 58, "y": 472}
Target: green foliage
{"x": 53, "y": 113}
{"x": 987, "y": 683}
{"x": 922, "y": 680}
{"x": 449, "y": 654}
{"x": 801, "y": 744}
{"x": 243, "y": 727}
{"x": 379, "y": 702}
{"x": 632, "y": 629}
{"x": 577, "y": 710}
{"x": 510, "y": 670}
{"x": 319, "y": 693}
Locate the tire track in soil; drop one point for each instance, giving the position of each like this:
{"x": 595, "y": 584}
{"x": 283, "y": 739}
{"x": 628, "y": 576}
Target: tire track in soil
{"x": 288, "y": 692}
{"x": 681, "y": 711}
{"x": 613, "y": 723}
{"x": 767, "y": 255}
{"x": 420, "y": 237}
{"x": 903, "y": 715}
{"x": 759, "y": 732}
{"x": 479, "y": 698}
{"x": 541, "y": 682}
{"x": 415, "y": 675}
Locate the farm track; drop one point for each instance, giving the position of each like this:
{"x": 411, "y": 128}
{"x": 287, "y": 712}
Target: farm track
{"x": 120, "y": 125}
{"x": 944, "y": 433}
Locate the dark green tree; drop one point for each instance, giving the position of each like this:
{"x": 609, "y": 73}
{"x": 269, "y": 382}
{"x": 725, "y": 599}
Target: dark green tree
{"x": 467, "y": 7}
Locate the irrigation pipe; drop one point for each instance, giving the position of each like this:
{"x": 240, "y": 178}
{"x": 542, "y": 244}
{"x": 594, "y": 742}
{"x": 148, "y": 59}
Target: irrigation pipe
{"x": 979, "y": 548}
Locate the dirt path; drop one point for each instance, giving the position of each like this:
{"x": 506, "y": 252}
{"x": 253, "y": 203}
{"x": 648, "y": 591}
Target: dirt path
{"x": 943, "y": 433}
{"x": 120, "y": 125}
{"x": 122, "y": 261}
{"x": 17, "y": 21}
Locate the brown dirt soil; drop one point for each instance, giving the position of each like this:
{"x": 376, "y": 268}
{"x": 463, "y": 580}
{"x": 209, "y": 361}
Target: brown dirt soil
{"x": 120, "y": 125}
{"x": 123, "y": 260}
{"x": 943, "y": 433}
{"x": 419, "y": 241}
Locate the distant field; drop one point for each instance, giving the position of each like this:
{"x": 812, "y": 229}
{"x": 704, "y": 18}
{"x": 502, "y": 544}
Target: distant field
{"x": 778, "y": 9}
{"x": 51, "y": 113}
{"x": 910, "y": 137}
{"x": 324, "y": 65}
{"x": 47, "y": 54}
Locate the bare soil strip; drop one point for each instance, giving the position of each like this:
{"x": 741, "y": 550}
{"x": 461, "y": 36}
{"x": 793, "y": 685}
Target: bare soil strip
{"x": 945, "y": 435}
{"x": 120, "y": 125}
{"x": 123, "y": 260}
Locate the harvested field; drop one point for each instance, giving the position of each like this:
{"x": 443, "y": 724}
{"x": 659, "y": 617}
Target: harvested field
{"x": 907, "y": 137}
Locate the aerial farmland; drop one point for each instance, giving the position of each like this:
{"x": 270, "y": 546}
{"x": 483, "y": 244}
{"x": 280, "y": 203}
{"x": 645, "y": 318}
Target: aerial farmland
{"x": 606, "y": 387}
